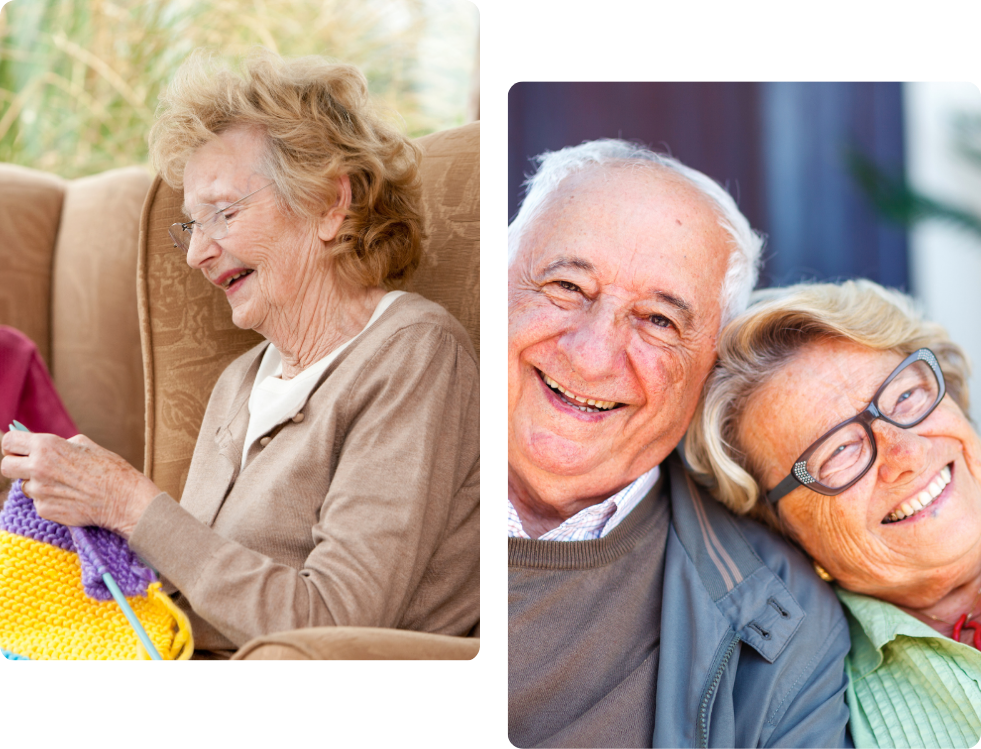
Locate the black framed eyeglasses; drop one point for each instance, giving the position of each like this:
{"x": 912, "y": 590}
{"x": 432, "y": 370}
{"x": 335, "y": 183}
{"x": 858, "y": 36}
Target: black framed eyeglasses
{"x": 214, "y": 225}
{"x": 845, "y": 453}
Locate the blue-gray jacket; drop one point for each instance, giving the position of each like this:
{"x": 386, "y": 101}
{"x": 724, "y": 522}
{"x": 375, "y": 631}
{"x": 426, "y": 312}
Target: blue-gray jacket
{"x": 752, "y": 642}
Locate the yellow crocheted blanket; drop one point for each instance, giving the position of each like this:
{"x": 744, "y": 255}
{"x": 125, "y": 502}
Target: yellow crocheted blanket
{"x": 46, "y": 613}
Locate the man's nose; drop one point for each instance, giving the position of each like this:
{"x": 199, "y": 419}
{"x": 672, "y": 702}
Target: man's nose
{"x": 596, "y": 345}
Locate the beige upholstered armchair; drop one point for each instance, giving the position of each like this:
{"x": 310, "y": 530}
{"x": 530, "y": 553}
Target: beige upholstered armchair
{"x": 98, "y": 302}
{"x": 188, "y": 339}
{"x": 68, "y": 281}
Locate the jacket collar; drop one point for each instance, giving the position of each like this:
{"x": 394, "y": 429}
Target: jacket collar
{"x": 754, "y": 600}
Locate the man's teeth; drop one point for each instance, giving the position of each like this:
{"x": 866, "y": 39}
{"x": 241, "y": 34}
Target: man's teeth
{"x": 924, "y": 498}
{"x": 591, "y": 404}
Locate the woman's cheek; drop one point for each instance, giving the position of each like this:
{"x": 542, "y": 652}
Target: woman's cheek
{"x": 972, "y": 454}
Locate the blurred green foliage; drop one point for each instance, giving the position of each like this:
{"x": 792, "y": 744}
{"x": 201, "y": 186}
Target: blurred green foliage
{"x": 80, "y": 79}
{"x": 895, "y": 199}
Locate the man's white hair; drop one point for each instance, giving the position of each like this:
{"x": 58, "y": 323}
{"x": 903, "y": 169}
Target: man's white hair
{"x": 608, "y": 153}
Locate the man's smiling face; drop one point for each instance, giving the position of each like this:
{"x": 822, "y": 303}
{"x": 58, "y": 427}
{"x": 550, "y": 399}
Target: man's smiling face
{"x": 613, "y": 310}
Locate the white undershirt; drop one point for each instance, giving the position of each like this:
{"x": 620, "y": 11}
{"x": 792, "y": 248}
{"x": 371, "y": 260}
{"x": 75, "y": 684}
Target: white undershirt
{"x": 274, "y": 400}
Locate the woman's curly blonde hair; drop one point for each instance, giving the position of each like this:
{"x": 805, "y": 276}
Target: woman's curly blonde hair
{"x": 778, "y": 324}
{"x": 319, "y": 124}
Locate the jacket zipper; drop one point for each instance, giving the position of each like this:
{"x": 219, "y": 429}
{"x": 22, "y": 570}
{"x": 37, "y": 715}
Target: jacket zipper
{"x": 710, "y": 692}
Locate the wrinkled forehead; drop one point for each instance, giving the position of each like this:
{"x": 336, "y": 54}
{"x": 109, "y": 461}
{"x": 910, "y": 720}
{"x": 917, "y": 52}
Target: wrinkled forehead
{"x": 634, "y": 226}
{"x": 839, "y": 366}
{"x": 648, "y": 181}
{"x": 224, "y": 168}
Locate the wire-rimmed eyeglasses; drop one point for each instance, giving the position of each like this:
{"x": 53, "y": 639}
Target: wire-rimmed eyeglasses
{"x": 214, "y": 225}
{"x": 840, "y": 457}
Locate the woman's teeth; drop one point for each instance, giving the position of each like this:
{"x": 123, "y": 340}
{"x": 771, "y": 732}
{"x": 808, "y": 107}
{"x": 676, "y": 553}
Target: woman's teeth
{"x": 589, "y": 405}
{"x": 234, "y": 278}
{"x": 923, "y": 499}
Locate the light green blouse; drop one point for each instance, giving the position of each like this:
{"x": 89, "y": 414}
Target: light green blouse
{"x": 908, "y": 686}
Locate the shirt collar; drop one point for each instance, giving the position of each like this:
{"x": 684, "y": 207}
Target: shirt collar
{"x": 874, "y": 624}
{"x": 596, "y": 520}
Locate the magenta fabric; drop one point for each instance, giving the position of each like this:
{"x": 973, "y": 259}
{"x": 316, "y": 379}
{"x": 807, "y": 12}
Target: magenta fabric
{"x": 26, "y": 390}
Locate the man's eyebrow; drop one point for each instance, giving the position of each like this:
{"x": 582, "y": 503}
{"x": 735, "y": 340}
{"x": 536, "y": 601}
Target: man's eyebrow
{"x": 569, "y": 262}
{"x": 683, "y": 308}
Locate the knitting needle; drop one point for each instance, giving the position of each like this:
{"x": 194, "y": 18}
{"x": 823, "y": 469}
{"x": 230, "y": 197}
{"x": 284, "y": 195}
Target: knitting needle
{"x": 110, "y": 582}
{"x": 83, "y": 539}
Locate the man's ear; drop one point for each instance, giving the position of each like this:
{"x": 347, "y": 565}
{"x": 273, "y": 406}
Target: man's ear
{"x": 330, "y": 222}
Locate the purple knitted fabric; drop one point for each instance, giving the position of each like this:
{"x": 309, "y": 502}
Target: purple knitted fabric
{"x": 99, "y": 550}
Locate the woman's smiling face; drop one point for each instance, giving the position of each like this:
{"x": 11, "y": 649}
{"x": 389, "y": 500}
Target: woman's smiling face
{"x": 267, "y": 259}
{"x": 855, "y": 535}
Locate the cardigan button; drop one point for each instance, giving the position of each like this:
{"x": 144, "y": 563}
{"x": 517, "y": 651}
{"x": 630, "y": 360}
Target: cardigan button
{"x": 265, "y": 441}
{"x": 298, "y": 418}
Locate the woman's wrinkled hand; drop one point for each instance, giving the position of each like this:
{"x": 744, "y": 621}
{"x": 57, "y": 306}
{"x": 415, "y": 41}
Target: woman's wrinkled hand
{"x": 76, "y": 482}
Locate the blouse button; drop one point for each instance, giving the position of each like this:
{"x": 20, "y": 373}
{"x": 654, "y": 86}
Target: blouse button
{"x": 298, "y": 418}
{"x": 265, "y": 441}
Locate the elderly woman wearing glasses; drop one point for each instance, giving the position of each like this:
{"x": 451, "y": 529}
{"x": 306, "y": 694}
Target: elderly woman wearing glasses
{"x": 336, "y": 476}
{"x": 837, "y": 415}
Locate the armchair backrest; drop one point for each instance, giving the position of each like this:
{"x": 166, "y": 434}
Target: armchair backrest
{"x": 67, "y": 264}
{"x": 186, "y": 330}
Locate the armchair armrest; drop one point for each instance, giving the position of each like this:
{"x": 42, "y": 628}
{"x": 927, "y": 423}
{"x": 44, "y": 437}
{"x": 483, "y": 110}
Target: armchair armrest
{"x": 358, "y": 643}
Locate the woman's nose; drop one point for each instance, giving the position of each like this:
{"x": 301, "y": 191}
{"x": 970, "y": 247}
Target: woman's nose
{"x": 900, "y": 450}
{"x": 201, "y": 249}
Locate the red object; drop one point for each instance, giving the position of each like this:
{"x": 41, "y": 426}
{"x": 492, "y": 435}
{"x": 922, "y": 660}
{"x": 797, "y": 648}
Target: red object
{"x": 976, "y": 626}
{"x": 959, "y": 625}
{"x": 27, "y": 393}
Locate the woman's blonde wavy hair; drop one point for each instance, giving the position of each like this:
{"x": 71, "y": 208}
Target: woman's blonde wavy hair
{"x": 766, "y": 337}
{"x": 319, "y": 124}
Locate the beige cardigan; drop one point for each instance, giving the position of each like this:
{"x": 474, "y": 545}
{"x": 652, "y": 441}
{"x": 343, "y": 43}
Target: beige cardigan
{"x": 362, "y": 511}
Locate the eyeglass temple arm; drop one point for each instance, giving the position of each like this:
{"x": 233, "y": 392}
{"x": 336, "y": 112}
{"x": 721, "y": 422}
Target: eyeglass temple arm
{"x": 782, "y": 489}
{"x": 222, "y": 210}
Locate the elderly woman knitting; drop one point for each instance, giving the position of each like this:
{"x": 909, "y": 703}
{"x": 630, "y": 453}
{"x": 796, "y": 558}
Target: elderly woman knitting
{"x": 335, "y": 479}
{"x": 837, "y": 415}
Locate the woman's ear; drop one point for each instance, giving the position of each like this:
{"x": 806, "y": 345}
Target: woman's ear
{"x": 330, "y": 222}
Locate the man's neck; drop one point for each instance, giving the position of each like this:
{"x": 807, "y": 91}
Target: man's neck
{"x": 546, "y": 506}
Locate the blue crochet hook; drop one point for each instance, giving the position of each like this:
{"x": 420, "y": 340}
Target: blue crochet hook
{"x": 110, "y": 582}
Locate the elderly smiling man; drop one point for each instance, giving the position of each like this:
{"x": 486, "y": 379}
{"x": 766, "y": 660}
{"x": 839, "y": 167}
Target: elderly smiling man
{"x": 640, "y": 612}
